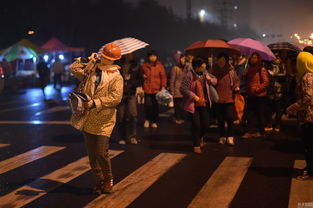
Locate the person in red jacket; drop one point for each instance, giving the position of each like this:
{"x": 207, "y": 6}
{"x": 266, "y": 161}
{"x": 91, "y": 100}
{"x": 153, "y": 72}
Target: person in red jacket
{"x": 154, "y": 81}
{"x": 257, "y": 81}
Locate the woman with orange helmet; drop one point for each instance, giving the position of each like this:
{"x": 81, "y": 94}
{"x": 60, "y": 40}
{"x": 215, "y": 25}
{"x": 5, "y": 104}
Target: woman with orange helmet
{"x": 103, "y": 85}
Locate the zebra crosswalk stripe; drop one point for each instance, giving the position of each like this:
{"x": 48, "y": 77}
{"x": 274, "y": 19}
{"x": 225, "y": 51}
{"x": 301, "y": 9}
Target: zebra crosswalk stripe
{"x": 27, "y": 157}
{"x": 4, "y": 145}
{"x": 220, "y": 189}
{"x": 130, "y": 188}
{"x": 301, "y": 192}
{"x": 40, "y": 187}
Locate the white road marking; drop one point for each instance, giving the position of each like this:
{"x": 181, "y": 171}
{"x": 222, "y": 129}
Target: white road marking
{"x": 27, "y": 157}
{"x": 40, "y": 187}
{"x": 220, "y": 189}
{"x": 53, "y": 110}
{"x": 130, "y": 188}
{"x": 4, "y": 145}
{"x": 36, "y": 122}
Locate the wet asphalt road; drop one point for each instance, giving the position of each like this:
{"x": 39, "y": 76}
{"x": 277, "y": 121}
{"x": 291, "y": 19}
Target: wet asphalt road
{"x": 267, "y": 182}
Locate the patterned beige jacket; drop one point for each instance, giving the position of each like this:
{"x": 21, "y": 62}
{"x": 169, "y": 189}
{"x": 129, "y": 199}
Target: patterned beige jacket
{"x": 101, "y": 119}
{"x": 304, "y": 106}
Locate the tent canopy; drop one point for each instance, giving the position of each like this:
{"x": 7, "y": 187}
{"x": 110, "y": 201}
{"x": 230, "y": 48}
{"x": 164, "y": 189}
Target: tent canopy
{"x": 18, "y": 52}
{"x": 28, "y": 44}
{"x": 55, "y": 45}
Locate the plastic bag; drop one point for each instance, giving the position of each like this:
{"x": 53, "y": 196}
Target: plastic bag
{"x": 164, "y": 97}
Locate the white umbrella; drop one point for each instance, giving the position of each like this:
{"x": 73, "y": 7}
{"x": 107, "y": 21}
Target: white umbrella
{"x": 128, "y": 45}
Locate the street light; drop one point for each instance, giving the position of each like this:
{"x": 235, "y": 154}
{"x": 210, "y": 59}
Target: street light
{"x": 202, "y": 14}
{"x": 31, "y": 32}
{"x": 61, "y": 57}
{"x": 46, "y": 58}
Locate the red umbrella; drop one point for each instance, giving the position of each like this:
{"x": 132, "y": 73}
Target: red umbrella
{"x": 208, "y": 48}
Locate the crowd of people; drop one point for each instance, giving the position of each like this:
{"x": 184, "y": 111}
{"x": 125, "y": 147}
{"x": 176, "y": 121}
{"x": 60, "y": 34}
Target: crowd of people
{"x": 204, "y": 92}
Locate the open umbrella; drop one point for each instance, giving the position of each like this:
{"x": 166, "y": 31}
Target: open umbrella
{"x": 284, "y": 46}
{"x": 128, "y": 45}
{"x": 18, "y": 52}
{"x": 207, "y": 48}
{"x": 248, "y": 46}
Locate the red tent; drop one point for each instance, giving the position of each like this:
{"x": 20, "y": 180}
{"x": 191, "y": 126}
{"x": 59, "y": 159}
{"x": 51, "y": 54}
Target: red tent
{"x": 54, "y": 45}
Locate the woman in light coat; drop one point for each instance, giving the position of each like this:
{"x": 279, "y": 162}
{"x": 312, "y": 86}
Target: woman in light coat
{"x": 104, "y": 87}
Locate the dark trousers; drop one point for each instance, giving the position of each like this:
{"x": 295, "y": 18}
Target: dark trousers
{"x": 57, "y": 78}
{"x": 98, "y": 152}
{"x": 257, "y": 113}
{"x": 179, "y": 112}
{"x": 199, "y": 124}
{"x": 277, "y": 108}
{"x": 127, "y": 118}
{"x": 308, "y": 146}
{"x": 225, "y": 113}
{"x": 151, "y": 108}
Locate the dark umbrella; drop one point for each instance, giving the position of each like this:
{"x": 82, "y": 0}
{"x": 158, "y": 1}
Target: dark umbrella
{"x": 284, "y": 46}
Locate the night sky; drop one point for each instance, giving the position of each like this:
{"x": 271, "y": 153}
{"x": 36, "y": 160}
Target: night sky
{"x": 91, "y": 23}
{"x": 267, "y": 16}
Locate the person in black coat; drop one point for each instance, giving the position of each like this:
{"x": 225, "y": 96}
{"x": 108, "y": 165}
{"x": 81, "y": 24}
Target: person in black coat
{"x": 127, "y": 110}
{"x": 44, "y": 75}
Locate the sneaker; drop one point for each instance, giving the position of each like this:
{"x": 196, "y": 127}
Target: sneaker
{"x": 268, "y": 128}
{"x": 222, "y": 140}
{"x": 247, "y": 135}
{"x": 230, "y": 141}
{"x": 179, "y": 121}
{"x": 258, "y": 134}
{"x": 107, "y": 186}
{"x": 277, "y": 129}
{"x": 305, "y": 177}
{"x": 133, "y": 141}
{"x": 154, "y": 125}
{"x": 202, "y": 142}
{"x": 122, "y": 142}
{"x": 237, "y": 122}
{"x": 97, "y": 190}
{"x": 197, "y": 150}
{"x": 146, "y": 124}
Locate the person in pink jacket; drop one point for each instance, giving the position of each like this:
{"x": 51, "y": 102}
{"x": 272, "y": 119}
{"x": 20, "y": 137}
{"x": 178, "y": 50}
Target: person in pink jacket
{"x": 227, "y": 85}
{"x": 195, "y": 88}
{"x": 154, "y": 81}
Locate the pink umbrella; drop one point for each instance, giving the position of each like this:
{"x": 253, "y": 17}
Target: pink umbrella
{"x": 248, "y": 46}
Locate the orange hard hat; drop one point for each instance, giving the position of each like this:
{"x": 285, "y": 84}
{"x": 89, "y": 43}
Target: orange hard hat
{"x": 111, "y": 51}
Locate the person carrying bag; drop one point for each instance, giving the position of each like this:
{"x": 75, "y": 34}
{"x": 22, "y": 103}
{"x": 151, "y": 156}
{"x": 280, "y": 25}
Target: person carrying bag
{"x": 100, "y": 92}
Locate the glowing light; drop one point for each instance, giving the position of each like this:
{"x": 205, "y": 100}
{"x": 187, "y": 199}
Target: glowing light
{"x": 202, "y": 15}
{"x": 236, "y": 7}
{"x": 36, "y": 122}
{"x": 235, "y": 25}
{"x": 31, "y": 32}
{"x": 61, "y": 57}
{"x": 35, "y": 104}
{"x": 264, "y": 35}
{"x": 46, "y": 58}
